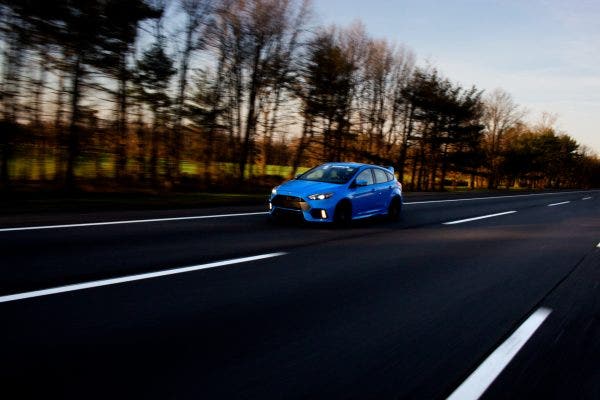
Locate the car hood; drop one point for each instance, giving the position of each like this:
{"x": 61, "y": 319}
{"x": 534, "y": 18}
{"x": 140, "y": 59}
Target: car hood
{"x": 299, "y": 187}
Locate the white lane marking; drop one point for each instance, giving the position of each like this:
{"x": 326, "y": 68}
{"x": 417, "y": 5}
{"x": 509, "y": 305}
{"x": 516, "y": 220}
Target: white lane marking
{"x": 558, "y": 204}
{"x": 587, "y": 198}
{"x": 134, "y": 221}
{"x": 490, "y": 197}
{"x": 131, "y": 278}
{"x": 478, "y": 382}
{"x": 476, "y": 218}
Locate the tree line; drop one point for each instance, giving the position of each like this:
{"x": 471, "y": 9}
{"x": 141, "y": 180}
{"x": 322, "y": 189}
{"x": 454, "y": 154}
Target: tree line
{"x": 212, "y": 93}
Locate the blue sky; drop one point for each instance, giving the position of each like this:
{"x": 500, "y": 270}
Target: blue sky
{"x": 545, "y": 53}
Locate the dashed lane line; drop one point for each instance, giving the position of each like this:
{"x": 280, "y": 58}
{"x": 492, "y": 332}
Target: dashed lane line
{"x": 558, "y": 204}
{"x": 478, "y": 218}
{"x": 132, "y": 278}
{"x": 478, "y": 382}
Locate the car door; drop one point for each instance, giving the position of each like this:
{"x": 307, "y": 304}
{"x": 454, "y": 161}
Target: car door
{"x": 383, "y": 188}
{"x": 363, "y": 197}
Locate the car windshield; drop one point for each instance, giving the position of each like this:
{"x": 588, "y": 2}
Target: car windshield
{"x": 330, "y": 173}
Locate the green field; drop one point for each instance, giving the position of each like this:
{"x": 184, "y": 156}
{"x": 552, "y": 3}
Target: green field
{"x": 28, "y": 169}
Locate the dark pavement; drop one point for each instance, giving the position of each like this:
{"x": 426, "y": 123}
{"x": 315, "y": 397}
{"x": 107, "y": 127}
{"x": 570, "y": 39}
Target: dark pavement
{"x": 380, "y": 310}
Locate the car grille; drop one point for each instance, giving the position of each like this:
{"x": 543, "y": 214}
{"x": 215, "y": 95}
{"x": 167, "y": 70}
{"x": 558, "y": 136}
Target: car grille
{"x": 291, "y": 202}
{"x": 283, "y": 214}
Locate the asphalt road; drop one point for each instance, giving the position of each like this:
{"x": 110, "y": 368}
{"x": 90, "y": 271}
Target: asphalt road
{"x": 381, "y": 310}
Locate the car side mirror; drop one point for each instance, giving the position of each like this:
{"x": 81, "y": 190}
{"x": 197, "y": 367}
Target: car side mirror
{"x": 360, "y": 183}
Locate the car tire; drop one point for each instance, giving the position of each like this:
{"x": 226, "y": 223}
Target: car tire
{"x": 342, "y": 217}
{"x": 395, "y": 210}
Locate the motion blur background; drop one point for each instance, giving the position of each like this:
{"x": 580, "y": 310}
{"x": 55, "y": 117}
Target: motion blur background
{"x": 238, "y": 95}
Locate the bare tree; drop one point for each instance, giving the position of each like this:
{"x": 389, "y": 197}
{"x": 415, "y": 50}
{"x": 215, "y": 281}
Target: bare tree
{"x": 328, "y": 86}
{"x": 281, "y": 75}
{"x": 386, "y": 70}
{"x": 11, "y": 82}
{"x": 154, "y": 71}
{"x": 261, "y": 38}
{"x": 500, "y": 114}
{"x": 401, "y": 113}
{"x": 197, "y": 14}
{"x": 546, "y": 122}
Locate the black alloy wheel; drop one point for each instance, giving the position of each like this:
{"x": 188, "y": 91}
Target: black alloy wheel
{"x": 394, "y": 210}
{"x": 343, "y": 214}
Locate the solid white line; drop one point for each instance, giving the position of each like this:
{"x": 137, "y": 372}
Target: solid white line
{"x": 558, "y": 204}
{"x": 489, "y": 198}
{"x": 131, "y": 278}
{"x": 135, "y": 221}
{"x": 478, "y": 382}
{"x": 476, "y": 218}
{"x": 587, "y": 198}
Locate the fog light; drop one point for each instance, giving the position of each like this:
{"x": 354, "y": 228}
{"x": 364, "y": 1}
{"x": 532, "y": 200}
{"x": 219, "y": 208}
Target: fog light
{"x": 323, "y": 214}
{"x": 270, "y": 206}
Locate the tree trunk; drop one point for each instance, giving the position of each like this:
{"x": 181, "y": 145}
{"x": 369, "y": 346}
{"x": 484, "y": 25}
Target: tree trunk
{"x": 5, "y": 146}
{"x": 154, "y": 149}
{"x": 251, "y": 119}
{"x": 10, "y": 91}
{"x": 302, "y": 144}
{"x": 173, "y": 168}
{"x": 404, "y": 145}
{"x": 73, "y": 138}
{"x": 270, "y": 124}
{"x": 209, "y": 148}
{"x": 141, "y": 147}
{"x": 444, "y": 168}
{"x": 121, "y": 164}
{"x": 38, "y": 90}
{"x": 422, "y": 169}
{"x": 413, "y": 173}
{"x": 59, "y": 161}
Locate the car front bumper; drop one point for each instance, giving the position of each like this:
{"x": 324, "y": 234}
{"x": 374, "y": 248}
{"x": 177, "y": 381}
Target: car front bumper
{"x": 307, "y": 210}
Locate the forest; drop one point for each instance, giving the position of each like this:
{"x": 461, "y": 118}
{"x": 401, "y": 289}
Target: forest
{"x": 180, "y": 95}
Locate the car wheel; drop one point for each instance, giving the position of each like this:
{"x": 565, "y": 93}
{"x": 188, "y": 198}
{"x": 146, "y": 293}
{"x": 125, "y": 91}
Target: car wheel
{"x": 343, "y": 214}
{"x": 394, "y": 210}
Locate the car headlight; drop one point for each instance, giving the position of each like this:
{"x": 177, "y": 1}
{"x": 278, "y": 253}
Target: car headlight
{"x": 320, "y": 196}
{"x": 274, "y": 191}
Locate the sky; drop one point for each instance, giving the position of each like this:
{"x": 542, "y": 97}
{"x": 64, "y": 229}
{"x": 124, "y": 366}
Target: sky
{"x": 545, "y": 53}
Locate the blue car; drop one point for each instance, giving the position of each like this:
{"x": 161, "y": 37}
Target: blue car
{"x": 339, "y": 193}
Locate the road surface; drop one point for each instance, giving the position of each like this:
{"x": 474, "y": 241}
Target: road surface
{"x": 465, "y": 297}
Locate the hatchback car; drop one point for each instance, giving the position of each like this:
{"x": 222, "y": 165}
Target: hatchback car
{"x": 339, "y": 193}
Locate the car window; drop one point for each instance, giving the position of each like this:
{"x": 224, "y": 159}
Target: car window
{"x": 366, "y": 175}
{"x": 329, "y": 173}
{"x": 314, "y": 175}
{"x": 390, "y": 176}
{"x": 380, "y": 175}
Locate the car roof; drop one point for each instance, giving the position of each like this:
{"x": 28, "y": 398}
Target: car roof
{"x": 354, "y": 164}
